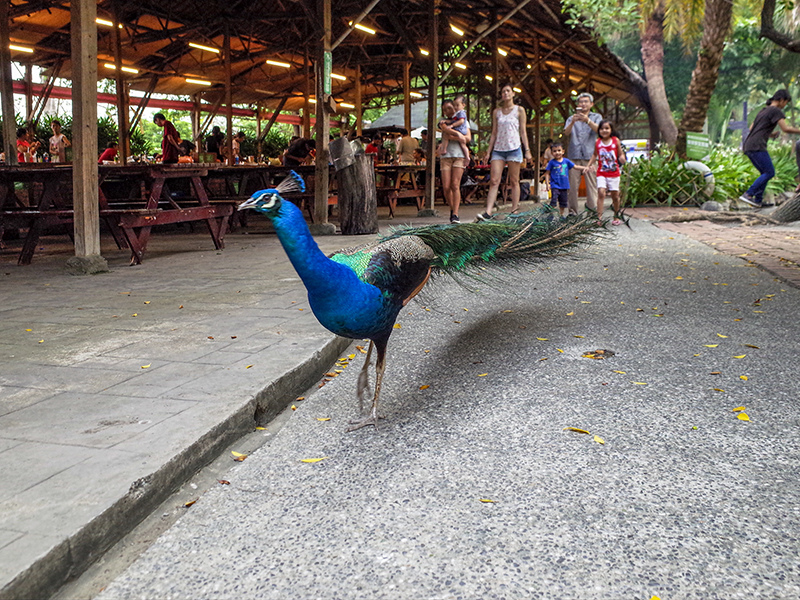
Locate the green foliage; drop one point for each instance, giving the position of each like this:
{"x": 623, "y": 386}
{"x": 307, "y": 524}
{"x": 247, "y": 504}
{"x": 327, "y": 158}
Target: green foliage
{"x": 662, "y": 180}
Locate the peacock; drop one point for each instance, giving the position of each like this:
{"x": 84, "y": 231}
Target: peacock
{"x": 358, "y": 292}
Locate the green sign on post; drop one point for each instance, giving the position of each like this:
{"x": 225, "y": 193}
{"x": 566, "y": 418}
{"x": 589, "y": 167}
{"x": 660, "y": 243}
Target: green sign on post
{"x": 327, "y": 61}
{"x": 697, "y": 145}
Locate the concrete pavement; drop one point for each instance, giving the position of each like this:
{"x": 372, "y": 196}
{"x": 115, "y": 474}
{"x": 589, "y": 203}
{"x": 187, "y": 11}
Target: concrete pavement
{"x": 116, "y": 388}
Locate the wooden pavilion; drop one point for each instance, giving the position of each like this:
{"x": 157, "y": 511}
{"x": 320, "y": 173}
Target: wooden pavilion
{"x": 320, "y": 57}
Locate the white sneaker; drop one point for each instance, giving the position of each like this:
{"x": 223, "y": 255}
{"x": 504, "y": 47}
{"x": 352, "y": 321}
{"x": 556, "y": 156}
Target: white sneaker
{"x": 748, "y": 200}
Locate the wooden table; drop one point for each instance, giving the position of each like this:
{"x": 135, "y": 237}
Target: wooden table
{"x": 391, "y": 184}
{"x": 130, "y": 218}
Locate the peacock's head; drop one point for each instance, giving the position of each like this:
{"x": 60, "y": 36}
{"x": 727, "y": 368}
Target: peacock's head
{"x": 269, "y": 201}
{"x": 265, "y": 201}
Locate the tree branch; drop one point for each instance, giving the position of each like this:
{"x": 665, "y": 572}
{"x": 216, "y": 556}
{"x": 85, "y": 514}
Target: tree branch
{"x": 768, "y": 29}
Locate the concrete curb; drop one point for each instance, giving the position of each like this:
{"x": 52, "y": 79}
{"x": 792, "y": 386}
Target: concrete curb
{"x": 70, "y": 558}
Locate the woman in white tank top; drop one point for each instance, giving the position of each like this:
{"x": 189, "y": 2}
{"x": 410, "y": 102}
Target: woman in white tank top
{"x": 509, "y": 139}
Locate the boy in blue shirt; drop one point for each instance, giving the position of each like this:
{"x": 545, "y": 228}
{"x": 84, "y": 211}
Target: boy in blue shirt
{"x": 556, "y": 177}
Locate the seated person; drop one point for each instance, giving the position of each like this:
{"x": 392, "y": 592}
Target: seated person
{"x": 108, "y": 154}
{"x": 299, "y": 152}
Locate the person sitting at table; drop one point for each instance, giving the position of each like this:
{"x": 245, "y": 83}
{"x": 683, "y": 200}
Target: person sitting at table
{"x": 58, "y": 143}
{"x": 170, "y": 140}
{"x": 26, "y": 149}
{"x": 215, "y": 142}
{"x": 299, "y": 152}
{"x": 419, "y": 156}
{"x": 237, "y": 147}
{"x": 108, "y": 154}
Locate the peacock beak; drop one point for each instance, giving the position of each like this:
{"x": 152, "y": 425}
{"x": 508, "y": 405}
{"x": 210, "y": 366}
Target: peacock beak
{"x": 251, "y": 202}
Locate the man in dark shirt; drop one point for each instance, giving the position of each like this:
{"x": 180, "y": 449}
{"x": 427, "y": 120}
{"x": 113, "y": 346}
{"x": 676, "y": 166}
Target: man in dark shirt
{"x": 215, "y": 142}
{"x": 298, "y": 152}
{"x": 755, "y": 145}
{"x": 170, "y": 140}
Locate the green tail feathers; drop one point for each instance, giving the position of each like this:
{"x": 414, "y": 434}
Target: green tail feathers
{"x": 517, "y": 240}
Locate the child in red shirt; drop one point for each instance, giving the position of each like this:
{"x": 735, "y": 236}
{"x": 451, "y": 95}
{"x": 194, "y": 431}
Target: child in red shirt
{"x": 610, "y": 157}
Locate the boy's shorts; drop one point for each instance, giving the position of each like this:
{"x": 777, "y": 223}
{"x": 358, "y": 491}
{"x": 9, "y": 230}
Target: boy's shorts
{"x": 609, "y": 183}
{"x": 559, "y": 197}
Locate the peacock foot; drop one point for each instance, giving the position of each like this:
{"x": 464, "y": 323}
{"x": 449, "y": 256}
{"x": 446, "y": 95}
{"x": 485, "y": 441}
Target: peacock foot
{"x": 370, "y": 420}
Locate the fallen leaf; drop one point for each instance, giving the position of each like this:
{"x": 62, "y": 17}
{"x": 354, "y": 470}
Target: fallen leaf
{"x": 507, "y": 311}
{"x": 621, "y": 372}
{"x": 249, "y": 367}
{"x": 238, "y": 457}
{"x": 190, "y": 502}
{"x": 722, "y": 336}
{"x": 261, "y": 428}
{"x": 743, "y": 377}
{"x": 740, "y": 356}
{"x": 487, "y": 501}
{"x": 541, "y": 359}
{"x": 323, "y": 418}
{"x": 577, "y": 336}
{"x": 351, "y": 356}
{"x": 223, "y": 482}
{"x": 424, "y": 387}
{"x": 135, "y": 315}
{"x": 543, "y": 339}
{"x": 743, "y": 417}
{"x": 331, "y": 374}
{"x": 211, "y": 337}
{"x": 710, "y": 345}
{"x": 29, "y": 330}
{"x": 294, "y": 407}
{"x": 746, "y": 345}
{"x": 738, "y": 409}
{"x": 576, "y": 430}
{"x": 312, "y": 460}
{"x": 181, "y": 306}
{"x": 483, "y": 375}
{"x": 599, "y": 440}
{"x": 146, "y": 366}
{"x": 300, "y": 398}
{"x": 638, "y": 382}
{"x": 560, "y": 350}
{"x": 718, "y": 389}
{"x": 233, "y": 337}
{"x": 569, "y": 314}
{"x": 41, "y": 341}
{"x": 715, "y": 373}
{"x": 397, "y": 326}
{"x": 147, "y": 301}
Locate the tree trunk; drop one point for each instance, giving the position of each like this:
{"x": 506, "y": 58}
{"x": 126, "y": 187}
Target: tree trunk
{"x": 716, "y": 25}
{"x": 652, "y": 41}
{"x": 788, "y": 212}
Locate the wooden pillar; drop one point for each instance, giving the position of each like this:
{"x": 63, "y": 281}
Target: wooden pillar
{"x": 495, "y": 65}
{"x": 124, "y": 147}
{"x": 84, "y": 138}
{"x": 307, "y": 96}
{"x": 323, "y": 124}
{"x": 6, "y": 90}
{"x": 433, "y": 91}
{"x": 196, "y": 119}
{"x": 359, "y": 108}
{"x": 228, "y": 94}
{"x": 259, "y": 141}
{"x": 537, "y": 112}
{"x": 407, "y": 96}
{"x": 28, "y": 92}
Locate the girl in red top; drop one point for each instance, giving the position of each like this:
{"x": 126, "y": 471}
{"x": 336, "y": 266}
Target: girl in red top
{"x": 610, "y": 157}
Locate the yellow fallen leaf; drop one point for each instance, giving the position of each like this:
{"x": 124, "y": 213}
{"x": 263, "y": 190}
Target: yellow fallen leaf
{"x": 261, "y": 428}
{"x": 483, "y": 375}
{"x": 575, "y": 429}
{"x": 718, "y": 390}
{"x": 740, "y": 356}
{"x": 599, "y": 440}
{"x": 397, "y": 326}
{"x": 147, "y": 301}
{"x": 710, "y": 345}
{"x": 312, "y": 460}
{"x": 560, "y": 350}
{"x": 638, "y": 382}
{"x": 238, "y": 457}
{"x": 738, "y": 408}
{"x": 543, "y": 339}
{"x": 746, "y": 345}
{"x": 466, "y": 310}
{"x": 507, "y": 311}
{"x": 585, "y": 302}
{"x": 29, "y": 330}
{"x": 569, "y": 314}
{"x": 249, "y": 367}
{"x": 331, "y": 374}
{"x": 424, "y": 387}
{"x": 577, "y": 336}
{"x": 743, "y": 377}
{"x": 722, "y": 336}
{"x": 541, "y": 359}
{"x": 135, "y": 315}
{"x": 743, "y": 417}
{"x": 146, "y": 366}
{"x": 41, "y": 341}
{"x": 323, "y": 418}
{"x": 181, "y": 306}
{"x": 351, "y": 356}
{"x": 621, "y": 372}
{"x": 487, "y": 501}
{"x": 189, "y": 503}
{"x": 294, "y": 407}
{"x": 679, "y": 277}
{"x": 300, "y": 398}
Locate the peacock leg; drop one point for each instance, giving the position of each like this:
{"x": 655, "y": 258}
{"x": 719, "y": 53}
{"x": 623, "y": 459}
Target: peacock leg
{"x": 362, "y": 386}
{"x": 380, "y": 366}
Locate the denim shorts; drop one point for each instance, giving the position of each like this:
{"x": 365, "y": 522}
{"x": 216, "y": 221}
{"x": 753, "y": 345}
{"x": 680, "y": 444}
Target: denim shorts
{"x": 508, "y": 155}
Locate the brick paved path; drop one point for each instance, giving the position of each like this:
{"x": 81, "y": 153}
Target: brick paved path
{"x": 773, "y": 248}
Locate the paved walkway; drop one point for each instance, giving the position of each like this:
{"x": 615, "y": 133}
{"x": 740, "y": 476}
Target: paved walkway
{"x": 115, "y": 388}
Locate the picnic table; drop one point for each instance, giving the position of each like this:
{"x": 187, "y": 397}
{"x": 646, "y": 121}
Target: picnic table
{"x": 399, "y": 181}
{"x": 130, "y": 217}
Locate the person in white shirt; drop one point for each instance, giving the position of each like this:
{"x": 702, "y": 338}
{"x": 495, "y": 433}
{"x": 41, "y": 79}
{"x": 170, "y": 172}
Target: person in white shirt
{"x": 58, "y": 143}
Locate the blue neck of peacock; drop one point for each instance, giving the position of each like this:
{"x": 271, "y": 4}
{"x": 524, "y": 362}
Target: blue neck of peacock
{"x": 320, "y": 274}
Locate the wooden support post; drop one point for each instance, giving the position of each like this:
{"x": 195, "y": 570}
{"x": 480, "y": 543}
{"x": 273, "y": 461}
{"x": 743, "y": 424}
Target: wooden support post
{"x": 28, "y": 92}
{"x": 307, "y": 96}
{"x": 123, "y": 139}
{"x": 228, "y": 94}
{"x": 320, "y": 226}
{"x": 495, "y": 65}
{"x": 259, "y": 140}
{"x": 407, "y": 96}
{"x": 6, "y": 90}
{"x": 537, "y": 113}
{"x": 433, "y": 92}
{"x": 87, "y": 257}
{"x": 195, "y": 116}
{"x": 359, "y": 108}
